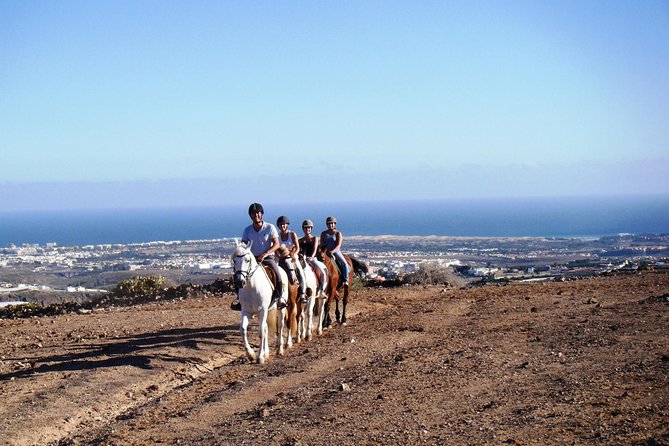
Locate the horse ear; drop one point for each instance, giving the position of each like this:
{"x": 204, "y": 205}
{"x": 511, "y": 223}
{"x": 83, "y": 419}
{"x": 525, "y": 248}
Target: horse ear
{"x": 236, "y": 242}
{"x": 250, "y": 244}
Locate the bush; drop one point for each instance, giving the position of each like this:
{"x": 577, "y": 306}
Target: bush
{"x": 141, "y": 286}
{"x": 434, "y": 273}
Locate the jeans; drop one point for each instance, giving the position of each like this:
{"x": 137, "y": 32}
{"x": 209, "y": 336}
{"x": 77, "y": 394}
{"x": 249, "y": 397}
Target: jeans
{"x": 341, "y": 258}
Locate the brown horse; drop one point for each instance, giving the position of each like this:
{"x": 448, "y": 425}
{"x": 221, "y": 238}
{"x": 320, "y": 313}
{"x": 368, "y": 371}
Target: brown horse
{"x": 336, "y": 289}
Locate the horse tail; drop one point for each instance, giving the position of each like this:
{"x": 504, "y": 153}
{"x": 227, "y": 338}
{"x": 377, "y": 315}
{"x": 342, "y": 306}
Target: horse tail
{"x": 272, "y": 326}
{"x": 359, "y": 267}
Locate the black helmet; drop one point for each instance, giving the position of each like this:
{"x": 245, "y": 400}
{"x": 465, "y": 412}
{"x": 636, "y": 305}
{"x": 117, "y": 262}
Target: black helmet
{"x": 256, "y": 207}
{"x": 330, "y": 220}
{"x": 307, "y": 223}
{"x": 283, "y": 220}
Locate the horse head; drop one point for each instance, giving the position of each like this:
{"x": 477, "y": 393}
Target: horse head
{"x": 321, "y": 254}
{"x": 243, "y": 264}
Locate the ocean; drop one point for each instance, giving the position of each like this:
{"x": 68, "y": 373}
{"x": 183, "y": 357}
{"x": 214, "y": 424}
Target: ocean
{"x": 589, "y": 217}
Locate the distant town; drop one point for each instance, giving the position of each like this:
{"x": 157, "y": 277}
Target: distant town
{"x": 30, "y": 269}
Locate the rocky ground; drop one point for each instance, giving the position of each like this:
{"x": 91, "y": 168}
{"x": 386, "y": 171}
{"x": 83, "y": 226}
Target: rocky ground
{"x": 579, "y": 362}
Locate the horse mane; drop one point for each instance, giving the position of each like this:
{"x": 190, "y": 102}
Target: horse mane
{"x": 240, "y": 250}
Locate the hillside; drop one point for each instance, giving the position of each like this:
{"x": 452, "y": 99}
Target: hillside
{"x": 580, "y": 362}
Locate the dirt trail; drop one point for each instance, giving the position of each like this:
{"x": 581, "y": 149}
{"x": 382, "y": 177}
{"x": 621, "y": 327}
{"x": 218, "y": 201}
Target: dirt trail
{"x": 580, "y": 362}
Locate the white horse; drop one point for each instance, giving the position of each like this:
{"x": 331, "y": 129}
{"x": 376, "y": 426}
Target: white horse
{"x": 255, "y": 294}
{"x": 315, "y": 298}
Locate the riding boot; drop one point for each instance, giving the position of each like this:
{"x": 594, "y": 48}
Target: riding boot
{"x": 276, "y": 297}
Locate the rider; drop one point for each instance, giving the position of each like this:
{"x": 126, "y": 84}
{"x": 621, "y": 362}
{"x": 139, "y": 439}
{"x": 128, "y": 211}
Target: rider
{"x": 288, "y": 239}
{"x": 308, "y": 247}
{"x": 331, "y": 240}
{"x": 265, "y": 240}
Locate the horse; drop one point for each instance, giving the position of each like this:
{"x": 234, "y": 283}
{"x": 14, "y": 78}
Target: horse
{"x": 255, "y": 293}
{"x": 305, "y": 311}
{"x": 336, "y": 284}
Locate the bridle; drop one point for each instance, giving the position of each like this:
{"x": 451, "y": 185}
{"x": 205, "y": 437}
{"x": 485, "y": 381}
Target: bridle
{"x": 246, "y": 275}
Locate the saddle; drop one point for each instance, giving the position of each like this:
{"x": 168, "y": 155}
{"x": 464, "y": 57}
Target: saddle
{"x": 340, "y": 268}
{"x": 284, "y": 265}
{"x": 317, "y": 273}
{"x": 270, "y": 273}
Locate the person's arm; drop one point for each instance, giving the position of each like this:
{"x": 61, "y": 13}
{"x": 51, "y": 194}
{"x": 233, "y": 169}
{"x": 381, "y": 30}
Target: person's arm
{"x": 273, "y": 247}
{"x": 295, "y": 250}
{"x": 314, "y": 248}
{"x": 340, "y": 240}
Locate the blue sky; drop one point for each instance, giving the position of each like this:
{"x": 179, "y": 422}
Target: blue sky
{"x": 141, "y": 103}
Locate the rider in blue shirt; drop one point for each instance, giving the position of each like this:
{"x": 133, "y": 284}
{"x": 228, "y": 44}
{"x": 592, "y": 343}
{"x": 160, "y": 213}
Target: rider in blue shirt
{"x": 331, "y": 241}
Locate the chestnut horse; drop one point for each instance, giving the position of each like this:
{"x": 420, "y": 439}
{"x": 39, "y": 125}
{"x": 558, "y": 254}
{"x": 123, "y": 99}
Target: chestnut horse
{"x": 336, "y": 285}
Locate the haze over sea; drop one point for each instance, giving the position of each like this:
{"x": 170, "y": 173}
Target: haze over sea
{"x": 509, "y": 217}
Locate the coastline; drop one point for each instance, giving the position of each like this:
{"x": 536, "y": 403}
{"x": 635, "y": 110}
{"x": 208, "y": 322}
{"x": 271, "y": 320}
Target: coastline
{"x": 557, "y": 217}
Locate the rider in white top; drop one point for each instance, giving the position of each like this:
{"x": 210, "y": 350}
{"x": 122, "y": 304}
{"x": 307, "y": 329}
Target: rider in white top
{"x": 289, "y": 240}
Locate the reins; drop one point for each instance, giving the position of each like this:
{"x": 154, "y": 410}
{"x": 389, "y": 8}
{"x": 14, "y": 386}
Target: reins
{"x": 249, "y": 273}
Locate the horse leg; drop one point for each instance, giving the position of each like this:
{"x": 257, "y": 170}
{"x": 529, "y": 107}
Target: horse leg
{"x": 302, "y": 322}
{"x": 327, "y": 321}
{"x": 337, "y": 314}
{"x": 309, "y": 315}
{"x": 280, "y": 325}
{"x": 320, "y": 311}
{"x": 344, "y": 304}
{"x": 264, "y": 336}
{"x": 244, "y": 329}
{"x": 290, "y": 324}
{"x": 298, "y": 324}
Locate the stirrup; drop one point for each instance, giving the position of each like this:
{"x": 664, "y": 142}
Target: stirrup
{"x": 276, "y": 299}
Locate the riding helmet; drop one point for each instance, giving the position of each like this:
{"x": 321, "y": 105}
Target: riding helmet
{"x": 330, "y": 220}
{"x": 307, "y": 224}
{"x": 283, "y": 220}
{"x": 256, "y": 207}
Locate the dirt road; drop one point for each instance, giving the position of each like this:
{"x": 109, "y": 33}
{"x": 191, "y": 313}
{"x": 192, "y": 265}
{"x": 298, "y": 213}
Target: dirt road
{"x": 579, "y": 362}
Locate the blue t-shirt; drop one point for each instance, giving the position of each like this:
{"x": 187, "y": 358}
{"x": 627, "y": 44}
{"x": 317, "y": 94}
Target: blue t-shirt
{"x": 262, "y": 239}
